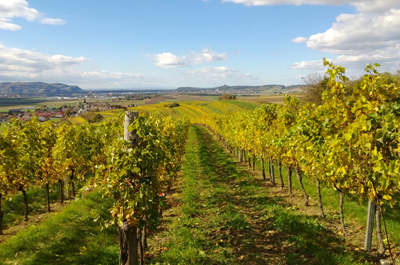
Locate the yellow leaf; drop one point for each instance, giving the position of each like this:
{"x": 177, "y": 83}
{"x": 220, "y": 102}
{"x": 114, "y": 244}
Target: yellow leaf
{"x": 387, "y": 197}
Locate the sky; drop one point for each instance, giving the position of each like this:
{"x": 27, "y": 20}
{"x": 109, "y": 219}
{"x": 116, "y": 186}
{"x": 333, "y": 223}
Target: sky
{"x": 199, "y": 43}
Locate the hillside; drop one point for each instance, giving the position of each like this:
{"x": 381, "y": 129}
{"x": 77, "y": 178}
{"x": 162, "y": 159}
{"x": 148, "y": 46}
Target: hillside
{"x": 37, "y": 88}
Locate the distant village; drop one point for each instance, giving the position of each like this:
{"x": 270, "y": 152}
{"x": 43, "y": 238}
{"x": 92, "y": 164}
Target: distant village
{"x": 45, "y": 113}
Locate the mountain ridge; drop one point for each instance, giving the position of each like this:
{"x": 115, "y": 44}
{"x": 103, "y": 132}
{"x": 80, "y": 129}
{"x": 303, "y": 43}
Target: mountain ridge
{"x": 37, "y": 88}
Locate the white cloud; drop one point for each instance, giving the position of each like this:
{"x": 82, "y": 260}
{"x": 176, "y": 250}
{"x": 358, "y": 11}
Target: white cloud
{"x": 220, "y": 72}
{"x": 361, "y": 5}
{"x": 10, "y": 9}
{"x": 359, "y": 32}
{"x": 24, "y": 65}
{"x": 371, "y": 35}
{"x": 300, "y": 40}
{"x": 52, "y": 21}
{"x": 357, "y": 39}
{"x": 15, "y": 61}
{"x": 169, "y": 60}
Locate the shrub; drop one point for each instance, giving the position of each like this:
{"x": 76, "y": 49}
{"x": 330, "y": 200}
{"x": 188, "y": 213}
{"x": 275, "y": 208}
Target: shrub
{"x": 227, "y": 97}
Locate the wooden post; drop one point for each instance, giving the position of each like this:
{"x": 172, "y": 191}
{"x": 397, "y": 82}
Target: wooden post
{"x": 130, "y": 137}
{"x": 128, "y": 234}
{"x": 370, "y": 224}
{"x": 262, "y": 167}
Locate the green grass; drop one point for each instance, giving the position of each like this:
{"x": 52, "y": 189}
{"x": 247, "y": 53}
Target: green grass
{"x": 11, "y": 103}
{"x": 223, "y": 214}
{"x": 244, "y": 104}
{"x": 55, "y": 120}
{"x": 211, "y": 97}
{"x": 68, "y": 237}
{"x": 354, "y": 208}
{"x": 14, "y": 209}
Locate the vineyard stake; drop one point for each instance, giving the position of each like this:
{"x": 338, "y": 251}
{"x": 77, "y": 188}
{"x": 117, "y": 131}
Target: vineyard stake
{"x": 370, "y": 224}
{"x": 128, "y": 234}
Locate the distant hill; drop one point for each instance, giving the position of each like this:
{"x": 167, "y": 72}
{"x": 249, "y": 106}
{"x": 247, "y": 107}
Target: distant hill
{"x": 37, "y": 88}
{"x": 237, "y": 89}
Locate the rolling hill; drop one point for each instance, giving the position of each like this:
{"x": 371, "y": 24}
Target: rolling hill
{"x": 37, "y": 88}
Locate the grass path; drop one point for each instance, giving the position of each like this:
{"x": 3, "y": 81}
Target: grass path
{"x": 223, "y": 214}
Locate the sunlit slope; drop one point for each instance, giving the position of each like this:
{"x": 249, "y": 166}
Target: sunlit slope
{"x": 193, "y": 109}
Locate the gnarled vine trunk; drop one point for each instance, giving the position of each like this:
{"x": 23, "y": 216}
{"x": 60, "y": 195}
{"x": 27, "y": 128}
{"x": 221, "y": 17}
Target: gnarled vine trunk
{"x": 128, "y": 244}
{"x": 72, "y": 183}
{"x": 272, "y": 171}
{"x": 269, "y": 170}
{"x": 300, "y": 178}
{"x": 341, "y": 198}
{"x": 26, "y": 203}
{"x": 262, "y": 167}
{"x": 48, "y": 197}
{"x": 280, "y": 174}
{"x": 321, "y": 208}
{"x": 290, "y": 180}
{"x": 141, "y": 250}
{"x": 379, "y": 236}
{"x": 61, "y": 191}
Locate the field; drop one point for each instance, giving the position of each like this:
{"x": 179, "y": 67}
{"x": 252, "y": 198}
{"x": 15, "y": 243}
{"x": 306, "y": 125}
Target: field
{"x": 17, "y": 103}
{"x": 191, "y": 109}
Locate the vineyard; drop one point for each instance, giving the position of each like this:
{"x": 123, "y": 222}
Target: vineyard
{"x": 139, "y": 168}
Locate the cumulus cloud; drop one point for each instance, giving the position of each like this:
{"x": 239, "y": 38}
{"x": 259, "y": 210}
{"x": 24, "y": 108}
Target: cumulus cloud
{"x": 220, "y": 72}
{"x": 358, "y": 39}
{"x": 169, "y": 60}
{"x": 300, "y": 40}
{"x": 24, "y": 65}
{"x": 11, "y": 9}
{"x": 15, "y": 61}
{"x": 371, "y": 35}
{"x": 361, "y": 5}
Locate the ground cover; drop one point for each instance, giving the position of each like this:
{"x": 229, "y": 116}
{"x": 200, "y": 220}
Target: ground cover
{"x": 355, "y": 210}
{"x": 222, "y": 214}
{"x": 18, "y": 103}
{"x": 13, "y": 210}
{"x": 70, "y": 236}
{"x": 15, "y": 103}
{"x": 244, "y": 104}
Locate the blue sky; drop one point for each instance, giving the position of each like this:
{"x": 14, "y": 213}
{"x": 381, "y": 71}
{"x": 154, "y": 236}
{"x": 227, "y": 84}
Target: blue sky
{"x": 167, "y": 44}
